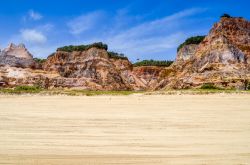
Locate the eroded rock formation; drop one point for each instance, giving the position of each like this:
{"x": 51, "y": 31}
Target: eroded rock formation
{"x": 17, "y": 56}
{"x": 91, "y": 69}
{"x": 222, "y": 58}
{"x": 97, "y": 69}
{"x": 186, "y": 52}
{"x": 151, "y": 76}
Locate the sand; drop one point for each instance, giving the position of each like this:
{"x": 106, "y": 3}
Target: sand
{"x": 136, "y": 129}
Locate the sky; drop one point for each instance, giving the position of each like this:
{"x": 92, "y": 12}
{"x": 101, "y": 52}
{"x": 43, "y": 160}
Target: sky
{"x": 141, "y": 29}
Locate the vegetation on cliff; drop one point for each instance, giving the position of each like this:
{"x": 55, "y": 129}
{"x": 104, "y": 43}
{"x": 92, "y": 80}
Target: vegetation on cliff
{"x": 52, "y": 54}
{"x": 39, "y": 60}
{"x": 72, "y": 48}
{"x": 192, "y": 40}
{"x": 98, "y": 45}
{"x": 226, "y": 16}
{"x": 117, "y": 55}
{"x": 153, "y": 63}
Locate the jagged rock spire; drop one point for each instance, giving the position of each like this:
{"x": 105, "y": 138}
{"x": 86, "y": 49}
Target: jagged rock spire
{"x": 18, "y": 51}
{"x": 17, "y": 56}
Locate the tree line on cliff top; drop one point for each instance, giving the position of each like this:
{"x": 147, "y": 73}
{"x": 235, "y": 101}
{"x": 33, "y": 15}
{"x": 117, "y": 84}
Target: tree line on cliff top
{"x": 114, "y": 55}
{"x": 199, "y": 39}
{"x": 191, "y": 40}
{"x": 98, "y": 45}
{"x": 153, "y": 63}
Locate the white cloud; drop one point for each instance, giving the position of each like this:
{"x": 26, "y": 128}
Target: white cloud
{"x": 158, "y": 25}
{"x": 33, "y": 36}
{"x": 152, "y": 37}
{"x": 156, "y": 39}
{"x": 84, "y": 22}
{"x": 35, "y": 15}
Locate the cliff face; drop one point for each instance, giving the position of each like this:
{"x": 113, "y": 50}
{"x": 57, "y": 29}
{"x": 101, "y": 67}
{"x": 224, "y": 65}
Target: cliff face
{"x": 17, "y": 56}
{"x": 186, "y": 52}
{"x": 18, "y": 51}
{"x": 222, "y": 58}
{"x": 228, "y": 42}
{"x": 91, "y": 69}
{"x": 151, "y": 76}
{"x": 236, "y": 31}
{"x": 98, "y": 70}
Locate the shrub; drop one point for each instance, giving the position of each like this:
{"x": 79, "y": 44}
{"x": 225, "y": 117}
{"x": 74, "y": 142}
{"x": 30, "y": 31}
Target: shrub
{"x": 31, "y": 89}
{"x": 153, "y": 63}
{"x": 39, "y": 60}
{"x": 192, "y": 40}
{"x": 209, "y": 86}
{"x": 245, "y": 47}
{"x": 52, "y": 54}
{"x": 117, "y": 55}
{"x": 99, "y": 45}
{"x": 226, "y": 16}
{"x": 167, "y": 72}
{"x": 72, "y": 48}
{"x": 21, "y": 89}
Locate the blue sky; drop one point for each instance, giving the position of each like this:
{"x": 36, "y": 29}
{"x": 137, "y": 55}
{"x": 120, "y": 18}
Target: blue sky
{"x": 141, "y": 29}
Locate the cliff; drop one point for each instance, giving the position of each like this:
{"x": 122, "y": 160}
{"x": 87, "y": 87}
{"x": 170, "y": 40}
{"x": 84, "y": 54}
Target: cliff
{"x": 89, "y": 67}
{"x": 96, "y": 67}
{"x": 17, "y": 56}
{"x": 151, "y": 76}
{"x": 222, "y": 58}
{"x": 186, "y": 52}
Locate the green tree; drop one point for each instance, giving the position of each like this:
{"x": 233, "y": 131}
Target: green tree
{"x": 72, "y": 48}
{"x": 153, "y": 63}
{"x": 117, "y": 55}
{"x": 209, "y": 86}
{"x": 191, "y": 40}
{"x": 226, "y": 16}
{"x": 39, "y": 60}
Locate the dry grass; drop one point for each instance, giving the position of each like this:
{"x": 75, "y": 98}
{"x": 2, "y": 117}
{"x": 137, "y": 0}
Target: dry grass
{"x": 22, "y": 90}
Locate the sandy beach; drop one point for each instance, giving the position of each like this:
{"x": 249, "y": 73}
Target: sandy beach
{"x": 136, "y": 129}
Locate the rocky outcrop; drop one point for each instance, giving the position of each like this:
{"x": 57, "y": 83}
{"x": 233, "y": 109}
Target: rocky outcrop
{"x": 222, "y": 58}
{"x": 151, "y": 76}
{"x": 18, "y": 51}
{"x": 17, "y": 56}
{"x": 186, "y": 52}
{"x": 229, "y": 41}
{"x": 98, "y": 70}
{"x": 91, "y": 69}
{"x": 14, "y": 76}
